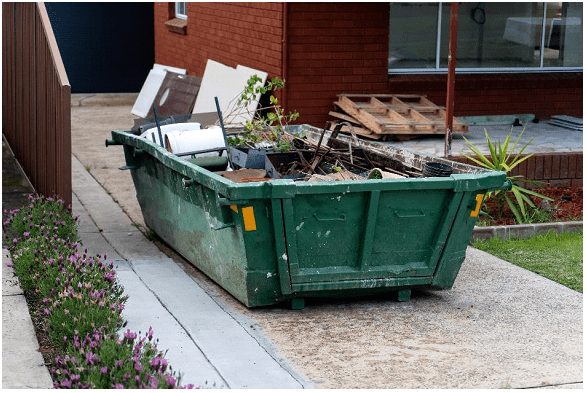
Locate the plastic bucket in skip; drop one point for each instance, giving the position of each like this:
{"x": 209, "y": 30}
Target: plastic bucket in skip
{"x": 181, "y": 141}
{"x": 436, "y": 169}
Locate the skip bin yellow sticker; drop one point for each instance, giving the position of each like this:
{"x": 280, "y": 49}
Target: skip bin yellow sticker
{"x": 234, "y": 208}
{"x": 249, "y": 218}
{"x": 479, "y": 199}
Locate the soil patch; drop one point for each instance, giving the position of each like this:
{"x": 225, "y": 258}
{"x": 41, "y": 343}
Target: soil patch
{"x": 567, "y": 205}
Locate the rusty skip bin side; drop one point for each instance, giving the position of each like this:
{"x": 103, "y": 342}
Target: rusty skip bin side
{"x": 268, "y": 242}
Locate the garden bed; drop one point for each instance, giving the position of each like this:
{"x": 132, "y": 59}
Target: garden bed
{"x": 567, "y": 205}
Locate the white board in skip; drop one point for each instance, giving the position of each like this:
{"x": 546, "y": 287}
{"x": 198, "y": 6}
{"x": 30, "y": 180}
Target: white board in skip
{"x": 227, "y": 84}
{"x": 148, "y": 92}
{"x": 181, "y": 71}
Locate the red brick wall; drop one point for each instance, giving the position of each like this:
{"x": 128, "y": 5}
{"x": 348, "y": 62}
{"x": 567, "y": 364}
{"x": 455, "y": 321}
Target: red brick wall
{"x": 334, "y": 48}
{"x": 231, "y": 33}
{"x": 543, "y": 94}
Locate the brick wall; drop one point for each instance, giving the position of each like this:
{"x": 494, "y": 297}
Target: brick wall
{"x": 231, "y": 33}
{"x": 334, "y": 48}
{"x": 556, "y": 169}
{"x": 543, "y": 94}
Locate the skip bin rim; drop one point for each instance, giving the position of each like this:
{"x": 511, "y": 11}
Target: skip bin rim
{"x": 481, "y": 180}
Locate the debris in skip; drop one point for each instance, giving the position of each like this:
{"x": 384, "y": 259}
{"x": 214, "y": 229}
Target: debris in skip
{"x": 245, "y": 143}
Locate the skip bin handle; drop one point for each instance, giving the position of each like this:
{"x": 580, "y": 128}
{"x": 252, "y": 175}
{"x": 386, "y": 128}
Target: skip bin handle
{"x": 507, "y": 185}
{"x": 111, "y": 142}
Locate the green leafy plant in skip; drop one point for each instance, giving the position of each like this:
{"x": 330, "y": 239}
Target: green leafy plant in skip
{"x": 505, "y": 157}
{"x": 269, "y": 122}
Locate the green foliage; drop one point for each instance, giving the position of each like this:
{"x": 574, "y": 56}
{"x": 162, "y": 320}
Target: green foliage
{"x": 268, "y": 123}
{"x": 505, "y": 157}
{"x": 556, "y": 256}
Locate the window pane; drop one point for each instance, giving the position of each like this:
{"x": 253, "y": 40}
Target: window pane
{"x": 412, "y": 35}
{"x": 494, "y": 35}
{"x": 563, "y": 42}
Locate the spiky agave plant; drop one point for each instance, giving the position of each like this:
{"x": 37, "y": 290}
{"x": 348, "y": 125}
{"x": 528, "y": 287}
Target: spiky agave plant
{"x": 504, "y": 157}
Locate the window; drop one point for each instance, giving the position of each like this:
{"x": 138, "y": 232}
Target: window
{"x": 181, "y": 10}
{"x": 491, "y": 37}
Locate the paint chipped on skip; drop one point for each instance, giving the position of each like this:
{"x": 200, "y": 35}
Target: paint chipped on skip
{"x": 300, "y": 226}
{"x": 269, "y": 275}
{"x": 284, "y": 257}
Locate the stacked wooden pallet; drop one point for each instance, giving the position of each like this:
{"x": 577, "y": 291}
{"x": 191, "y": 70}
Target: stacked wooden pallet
{"x": 402, "y": 116}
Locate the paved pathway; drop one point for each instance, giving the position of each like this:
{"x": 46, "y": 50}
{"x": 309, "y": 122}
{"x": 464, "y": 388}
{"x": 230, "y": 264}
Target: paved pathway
{"x": 205, "y": 343}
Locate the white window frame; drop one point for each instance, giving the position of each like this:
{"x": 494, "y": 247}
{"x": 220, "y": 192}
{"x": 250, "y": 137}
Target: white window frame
{"x": 484, "y": 70}
{"x": 178, "y": 13}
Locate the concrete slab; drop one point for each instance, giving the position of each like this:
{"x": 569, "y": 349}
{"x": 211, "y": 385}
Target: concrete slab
{"x": 96, "y": 244}
{"x": 22, "y": 363}
{"x": 544, "y": 138}
{"x": 218, "y": 335}
{"x": 133, "y": 245}
{"x": 143, "y": 310}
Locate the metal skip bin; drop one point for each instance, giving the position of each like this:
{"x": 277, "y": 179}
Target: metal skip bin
{"x": 280, "y": 240}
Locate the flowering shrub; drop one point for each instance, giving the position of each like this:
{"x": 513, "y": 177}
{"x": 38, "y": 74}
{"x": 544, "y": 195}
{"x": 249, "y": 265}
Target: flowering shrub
{"x": 77, "y": 295}
{"x": 99, "y": 362}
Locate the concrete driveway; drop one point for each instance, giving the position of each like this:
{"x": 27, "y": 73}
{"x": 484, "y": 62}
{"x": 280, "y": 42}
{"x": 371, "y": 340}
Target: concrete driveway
{"x": 499, "y": 327}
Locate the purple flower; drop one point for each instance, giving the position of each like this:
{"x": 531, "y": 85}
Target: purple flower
{"x": 26, "y": 234}
{"x": 118, "y": 386}
{"x": 110, "y": 276}
{"x": 138, "y": 367}
{"x": 154, "y": 382}
{"x": 104, "y": 370}
{"x": 149, "y": 332}
{"x": 75, "y": 377}
{"x": 91, "y": 358}
{"x": 66, "y": 383}
{"x": 130, "y": 335}
{"x": 118, "y": 363}
{"x": 170, "y": 380}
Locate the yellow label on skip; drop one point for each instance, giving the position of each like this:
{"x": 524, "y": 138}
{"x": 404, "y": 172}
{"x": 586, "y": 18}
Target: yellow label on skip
{"x": 479, "y": 199}
{"x": 249, "y": 218}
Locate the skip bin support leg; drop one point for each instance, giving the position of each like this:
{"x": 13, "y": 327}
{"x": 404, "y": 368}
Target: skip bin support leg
{"x": 297, "y": 303}
{"x": 403, "y": 295}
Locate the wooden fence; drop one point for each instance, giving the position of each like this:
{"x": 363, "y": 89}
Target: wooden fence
{"x": 36, "y": 117}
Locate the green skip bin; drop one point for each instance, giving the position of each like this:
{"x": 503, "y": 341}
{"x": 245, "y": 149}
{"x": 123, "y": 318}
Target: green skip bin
{"x": 281, "y": 240}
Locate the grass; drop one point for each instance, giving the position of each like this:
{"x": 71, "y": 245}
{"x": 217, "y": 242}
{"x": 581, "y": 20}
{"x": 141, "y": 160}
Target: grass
{"x": 556, "y": 256}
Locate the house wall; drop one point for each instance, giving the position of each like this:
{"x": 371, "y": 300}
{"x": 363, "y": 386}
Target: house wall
{"x": 249, "y": 34}
{"x": 334, "y": 48}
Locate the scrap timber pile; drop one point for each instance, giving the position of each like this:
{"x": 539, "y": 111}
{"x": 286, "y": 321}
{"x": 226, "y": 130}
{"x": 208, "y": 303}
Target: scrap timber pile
{"x": 317, "y": 161}
{"x": 401, "y": 117}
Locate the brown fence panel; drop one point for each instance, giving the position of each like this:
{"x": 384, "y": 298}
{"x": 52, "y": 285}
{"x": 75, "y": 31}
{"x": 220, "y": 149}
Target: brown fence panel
{"x": 36, "y": 98}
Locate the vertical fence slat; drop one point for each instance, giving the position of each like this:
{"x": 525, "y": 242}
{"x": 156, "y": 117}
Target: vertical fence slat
{"x": 36, "y": 96}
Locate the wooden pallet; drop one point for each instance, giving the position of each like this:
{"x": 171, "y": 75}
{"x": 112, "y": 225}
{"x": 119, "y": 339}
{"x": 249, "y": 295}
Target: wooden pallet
{"x": 396, "y": 114}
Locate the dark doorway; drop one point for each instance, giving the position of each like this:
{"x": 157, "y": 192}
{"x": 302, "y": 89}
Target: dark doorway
{"x": 106, "y": 47}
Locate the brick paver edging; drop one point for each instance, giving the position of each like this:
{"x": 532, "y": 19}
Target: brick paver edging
{"x": 525, "y": 230}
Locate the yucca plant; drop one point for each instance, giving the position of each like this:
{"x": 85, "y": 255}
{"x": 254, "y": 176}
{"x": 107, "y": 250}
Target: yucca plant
{"x": 504, "y": 157}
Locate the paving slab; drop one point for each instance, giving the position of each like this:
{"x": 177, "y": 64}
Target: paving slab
{"x": 143, "y": 310}
{"x": 22, "y": 363}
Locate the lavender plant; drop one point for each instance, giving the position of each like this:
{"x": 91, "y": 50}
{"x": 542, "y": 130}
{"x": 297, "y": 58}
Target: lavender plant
{"x": 76, "y": 295}
{"x": 105, "y": 362}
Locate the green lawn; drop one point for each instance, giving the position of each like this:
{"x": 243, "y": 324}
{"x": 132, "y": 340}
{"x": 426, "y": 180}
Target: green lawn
{"x": 557, "y": 256}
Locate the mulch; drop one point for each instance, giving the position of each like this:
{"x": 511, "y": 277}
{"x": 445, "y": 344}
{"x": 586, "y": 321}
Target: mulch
{"x": 567, "y": 205}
